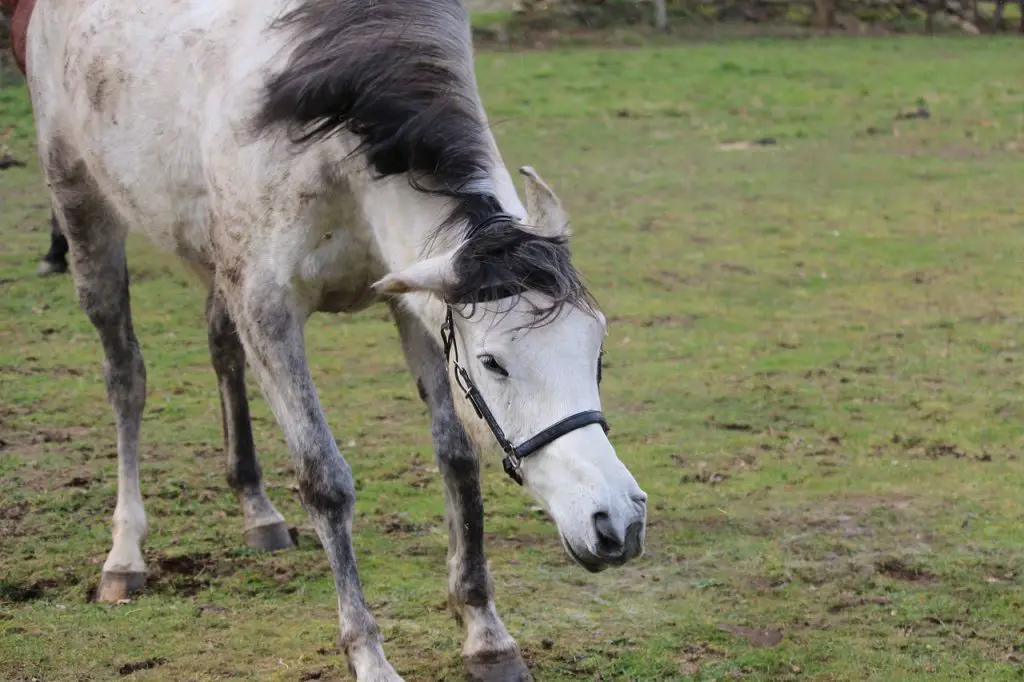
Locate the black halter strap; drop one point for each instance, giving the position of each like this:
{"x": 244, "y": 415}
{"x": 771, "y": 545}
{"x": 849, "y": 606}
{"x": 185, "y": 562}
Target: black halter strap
{"x": 514, "y": 454}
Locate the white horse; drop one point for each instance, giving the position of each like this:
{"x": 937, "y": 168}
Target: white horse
{"x": 323, "y": 155}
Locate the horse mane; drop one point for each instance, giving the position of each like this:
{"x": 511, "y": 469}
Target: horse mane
{"x": 398, "y": 75}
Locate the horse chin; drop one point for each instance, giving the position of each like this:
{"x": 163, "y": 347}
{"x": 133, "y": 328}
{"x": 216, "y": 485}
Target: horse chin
{"x": 590, "y": 566}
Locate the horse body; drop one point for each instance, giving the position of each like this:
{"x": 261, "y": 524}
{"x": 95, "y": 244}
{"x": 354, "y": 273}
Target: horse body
{"x": 324, "y": 155}
{"x": 189, "y": 197}
{"x": 156, "y": 153}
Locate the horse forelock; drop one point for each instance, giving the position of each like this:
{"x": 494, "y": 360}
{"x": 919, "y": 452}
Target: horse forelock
{"x": 506, "y": 253}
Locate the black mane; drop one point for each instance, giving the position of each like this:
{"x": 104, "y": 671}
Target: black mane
{"x": 505, "y": 255}
{"x": 398, "y": 75}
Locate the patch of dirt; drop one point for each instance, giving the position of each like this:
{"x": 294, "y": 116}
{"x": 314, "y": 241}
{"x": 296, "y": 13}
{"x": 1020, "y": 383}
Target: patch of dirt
{"x": 29, "y": 370}
{"x": 728, "y": 426}
{"x": 834, "y": 513}
{"x": 516, "y": 539}
{"x": 60, "y": 435}
{"x": 634, "y": 408}
{"x": 8, "y": 161}
{"x": 896, "y": 568}
{"x": 836, "y": 541}
{"x": 187, "y": 564}
{"x": 11, "y": 518}
{"x": 417, "y": 474}
{"x": 575, "y": 663}
{"x": 694, "y": 656}
{"x": 756, "y": 637}
{"x": 671, "y": 321}
{"x": 767, "y": 583}
{"x": 189, "y": 574}
{"x": 854, "y": 603}
{"x": 746, "y": 460}
{"x": 704, "y": 475}
{"x": 148, "y": 664}
{"x": 206, "y": 451}
{"x": 19, "y": 593}
{"x": 398, "y": 523}
{"x": 186, "y": 574}
{"x": 64, "y": 483}
{"x": 669, "y": 278}
{"x": 917, "y": 447}
{"x": 212, "y": 609}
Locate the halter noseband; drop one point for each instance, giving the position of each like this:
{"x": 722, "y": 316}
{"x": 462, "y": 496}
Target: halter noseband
{"x": 514, "y": 454}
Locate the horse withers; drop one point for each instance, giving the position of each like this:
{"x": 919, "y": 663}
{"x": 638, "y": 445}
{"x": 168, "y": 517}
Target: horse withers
{"x": 326, "y": 155}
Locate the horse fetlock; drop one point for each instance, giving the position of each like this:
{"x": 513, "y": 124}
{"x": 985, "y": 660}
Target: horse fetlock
{"x": 125, "y": 556}
{"x": 366, "y": 658}
{"x": 270, "y": 537}
{"x": 490, "y": 653}
{"x": 265, "y": 528}
{"x": 486, "y": 634}
{"x": 257, "y": 508}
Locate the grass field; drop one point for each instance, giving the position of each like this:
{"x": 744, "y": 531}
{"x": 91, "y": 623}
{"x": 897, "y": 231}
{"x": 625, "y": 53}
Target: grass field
{"x": 814, "y": 369}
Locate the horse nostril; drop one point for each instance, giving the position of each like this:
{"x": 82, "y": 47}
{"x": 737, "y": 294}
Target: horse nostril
{"x": 633, "y": 534}
{"x": 609, "y": 542}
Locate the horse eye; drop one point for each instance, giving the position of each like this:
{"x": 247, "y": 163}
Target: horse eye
{"x": 491, "y": 365}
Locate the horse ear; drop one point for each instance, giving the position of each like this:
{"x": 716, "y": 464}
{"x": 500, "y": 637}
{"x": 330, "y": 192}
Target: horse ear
{"x": 435, "y": 275}
{"x": 545, "y": 214}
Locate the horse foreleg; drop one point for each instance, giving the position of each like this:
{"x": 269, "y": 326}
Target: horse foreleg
{"x": 100, "y": 274}
{"x": 270, "y": 324}
{"x": 265, "y": 528}
{"x": 490, "y": 652}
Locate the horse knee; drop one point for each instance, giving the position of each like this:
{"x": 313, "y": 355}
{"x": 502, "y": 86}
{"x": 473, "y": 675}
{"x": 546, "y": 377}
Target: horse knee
{"x": 327, "y": 486}
{"x": 459, "y": 462}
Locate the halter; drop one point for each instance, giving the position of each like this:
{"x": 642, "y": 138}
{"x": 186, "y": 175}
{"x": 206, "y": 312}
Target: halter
{"x": 514, "y": 454}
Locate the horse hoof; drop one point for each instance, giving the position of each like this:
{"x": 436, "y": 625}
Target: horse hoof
{"x": 499, "y": 666}
{"x": 46, "y": 268}
{"x": 116, "y": 586}
{"x": 272, "y": 537}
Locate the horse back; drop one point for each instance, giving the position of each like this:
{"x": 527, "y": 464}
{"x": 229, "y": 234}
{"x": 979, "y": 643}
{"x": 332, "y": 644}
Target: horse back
{"x": 157, "y": 106}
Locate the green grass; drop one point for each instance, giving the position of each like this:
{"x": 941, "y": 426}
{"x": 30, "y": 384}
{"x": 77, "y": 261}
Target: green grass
{"x": 814, "y": 369}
